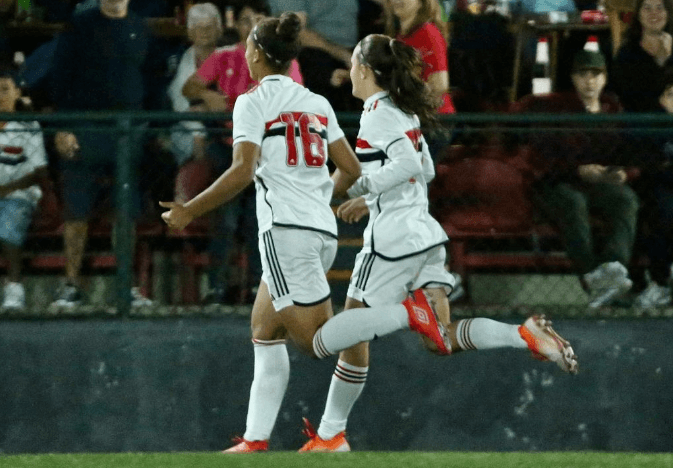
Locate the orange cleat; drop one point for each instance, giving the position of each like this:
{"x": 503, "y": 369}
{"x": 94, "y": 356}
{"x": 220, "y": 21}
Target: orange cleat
{"x": 248, "y": 446}
{"x": 338, "y": 443}
{"x": 423, "y": 319}
{"x": 547, "y": 345}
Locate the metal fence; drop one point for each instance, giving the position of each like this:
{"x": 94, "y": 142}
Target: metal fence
{"x": 509, "y": 252}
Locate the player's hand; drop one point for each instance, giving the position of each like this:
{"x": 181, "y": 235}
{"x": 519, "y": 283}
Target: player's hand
{"x": 353, "y": 210}
{"x": 177, "y": 216}
{"x": 66, "y": 144}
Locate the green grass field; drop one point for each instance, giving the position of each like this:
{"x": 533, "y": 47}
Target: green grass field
{"x": 354, "y": 460}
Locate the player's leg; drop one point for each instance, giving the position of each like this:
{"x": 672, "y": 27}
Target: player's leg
{"x": 347, "y": 384}
{"x": 535, "y": 334}
{"x": 389, "y": 280}
{"x": 271, "y": 375}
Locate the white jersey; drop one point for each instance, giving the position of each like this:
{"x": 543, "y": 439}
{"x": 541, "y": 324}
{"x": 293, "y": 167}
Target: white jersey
{"x": 21, "y": 152}
{"x": 293, "y": 126}
{"x": 396, "y": 168}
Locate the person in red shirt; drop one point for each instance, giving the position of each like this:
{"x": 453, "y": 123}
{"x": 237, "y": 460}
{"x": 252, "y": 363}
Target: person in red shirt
{"x": 420, "y": 25}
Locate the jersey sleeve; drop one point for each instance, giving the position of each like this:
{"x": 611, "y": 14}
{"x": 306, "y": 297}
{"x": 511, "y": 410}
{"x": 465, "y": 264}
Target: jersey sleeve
{"x": 209, "y": 71}
{"x": 248, "y": 121}
{"x": 334, "y": 131}
{"x": 385, "y": 133}
{"x": 433, "y": 49}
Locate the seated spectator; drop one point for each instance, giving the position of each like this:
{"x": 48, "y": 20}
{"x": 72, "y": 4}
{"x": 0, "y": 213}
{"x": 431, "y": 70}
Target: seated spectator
{"x": 638, "y": 68}
{"x": 23, "y": 163}
{"x": 327, "y": 40}
{"x": 579, "y": 178}
{"x": 204, "y": 28}
{"x": 90, "y": 74}
{"x": 655, "y": 188}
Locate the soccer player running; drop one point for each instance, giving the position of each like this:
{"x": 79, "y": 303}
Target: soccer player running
{"x": 403, "y": 248}
{"x": 283, "y": 135}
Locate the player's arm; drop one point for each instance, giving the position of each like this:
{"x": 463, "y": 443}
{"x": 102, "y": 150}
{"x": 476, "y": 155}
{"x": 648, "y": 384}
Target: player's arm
{"x": 226, "y": 187}
{"x": 28, "y": 180}
{"x": 348, "y": 167}
{"x": 405, "y": 163}
{"x": 438, "y": 83}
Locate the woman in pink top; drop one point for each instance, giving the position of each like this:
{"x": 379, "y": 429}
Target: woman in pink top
{"x": 421, "y": 26}
{"x": 228, "y": 69}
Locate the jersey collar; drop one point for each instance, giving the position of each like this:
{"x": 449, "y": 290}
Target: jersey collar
{"x": 375, "y": 97}
{"x": 274, "y": 78}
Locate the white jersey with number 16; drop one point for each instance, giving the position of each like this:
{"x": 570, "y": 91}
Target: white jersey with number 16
{"x": 293, "y": 127}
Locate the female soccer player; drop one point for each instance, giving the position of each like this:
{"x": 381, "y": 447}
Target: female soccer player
{"x": 283, "y": 135}
{"x": 403, "y": 248}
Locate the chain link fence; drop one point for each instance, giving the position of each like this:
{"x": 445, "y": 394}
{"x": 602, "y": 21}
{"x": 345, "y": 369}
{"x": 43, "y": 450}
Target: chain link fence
{"x": 497, "y": 175}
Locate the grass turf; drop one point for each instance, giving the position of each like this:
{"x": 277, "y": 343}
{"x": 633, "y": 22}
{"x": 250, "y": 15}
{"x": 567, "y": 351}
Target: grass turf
{"x": 353, "y": 459}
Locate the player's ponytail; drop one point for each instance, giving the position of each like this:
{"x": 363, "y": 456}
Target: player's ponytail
{"x": 397, "y": 69}
{"x": 279, "y": 40}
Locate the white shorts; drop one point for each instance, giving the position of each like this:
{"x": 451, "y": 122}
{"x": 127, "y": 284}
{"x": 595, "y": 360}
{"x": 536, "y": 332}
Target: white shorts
{"x": 376, "y": 281}
{"x": 294, "y": 265}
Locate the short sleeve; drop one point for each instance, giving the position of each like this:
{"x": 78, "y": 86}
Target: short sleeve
{"x": 248, "y": 121}
{"x": 334, "y": 131}
{"x": 209, "y": 71}
{"x": 433, "y": 49}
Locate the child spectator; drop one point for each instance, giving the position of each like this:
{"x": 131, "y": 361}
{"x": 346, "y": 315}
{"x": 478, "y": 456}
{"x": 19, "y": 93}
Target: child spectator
{"x": 23, "y": 163}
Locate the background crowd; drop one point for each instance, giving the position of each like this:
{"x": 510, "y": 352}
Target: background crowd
{"x": 107, "y": 58}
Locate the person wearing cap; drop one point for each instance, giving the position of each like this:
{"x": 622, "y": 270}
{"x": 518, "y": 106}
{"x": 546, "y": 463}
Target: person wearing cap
{"x": 578, "y": 173}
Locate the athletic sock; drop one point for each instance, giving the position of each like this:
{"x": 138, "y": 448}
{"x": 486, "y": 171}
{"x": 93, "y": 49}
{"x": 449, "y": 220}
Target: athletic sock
{"x": 353, "y": 326}
{"x": 483, "y": 333}
{"x": 272, "y": 372}
{"x": 347, "y": 384}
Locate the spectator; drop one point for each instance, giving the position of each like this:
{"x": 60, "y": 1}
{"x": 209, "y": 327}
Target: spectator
{"x": 421, "y": 26}
{"x": 655, "y": 188}
{"x": 328, "y": 39}
{"x": 23, "y": 163}
{"x": 98, "y": 66}
{"x": 204, "y": 28}
{"x": 638, "y": 68}
{"x": 579, "y": 177}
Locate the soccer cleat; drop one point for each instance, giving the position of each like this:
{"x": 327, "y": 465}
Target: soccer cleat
{"x": 338, "y": 443}
{"x": 423, "y": 319}
{"x": 248, "y": 446}
{"x": 546, "y": 344}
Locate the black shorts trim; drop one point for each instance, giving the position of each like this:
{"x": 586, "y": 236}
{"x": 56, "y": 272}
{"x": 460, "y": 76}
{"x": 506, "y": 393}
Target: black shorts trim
{"x": 305, "y": 228}
{"x": 404, "y": 257}
{"x": 301, "y": 304}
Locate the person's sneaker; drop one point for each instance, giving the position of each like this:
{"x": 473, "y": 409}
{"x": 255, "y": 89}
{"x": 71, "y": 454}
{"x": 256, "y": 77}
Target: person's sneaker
{"x": 606, "y": 283}
{"x": 654, "y": 296}
{"x": 248, "y": 446}
{"x": 423, "y": 319}
{"x": 215, "y": 296}
{"x": 138, "y": 300}
{"x": 14, "y": 297}
{"x": 338, "y": 443}
{"x": 546, "y": 344}
{"x": 69, "y": 296}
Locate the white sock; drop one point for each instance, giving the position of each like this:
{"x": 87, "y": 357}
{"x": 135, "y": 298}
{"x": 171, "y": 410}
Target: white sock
{"x": 353, "y": 326}
{"x": 272, "y": 372}
{"x": 347, "y": 384}
{"x": 483, "y": 333}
